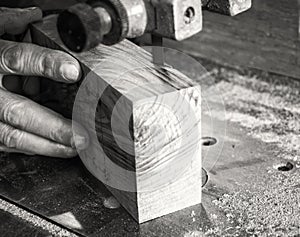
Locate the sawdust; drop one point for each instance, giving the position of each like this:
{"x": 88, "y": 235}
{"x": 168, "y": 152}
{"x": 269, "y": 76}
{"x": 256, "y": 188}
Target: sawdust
{"x": 111, "y": 203}
{"x": 268, "y": 108}
{"x": 267, "y": 207}
{"x": 35, "y": 220}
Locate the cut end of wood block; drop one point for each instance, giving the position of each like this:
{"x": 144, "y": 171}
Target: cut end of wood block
{"x": 168, "y": 152}
{"x": 167, "y": 155}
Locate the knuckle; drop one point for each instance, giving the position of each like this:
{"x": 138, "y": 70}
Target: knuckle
{"x": 57, "y": 134}
{"x": 49, "y": 61}
{"x": 14, "y": 111}
{"x": 13, "y": 139}
{"x": 10, "y": 136}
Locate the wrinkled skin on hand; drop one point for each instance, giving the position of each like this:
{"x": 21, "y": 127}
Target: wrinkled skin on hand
{"x": 25, "y": 126}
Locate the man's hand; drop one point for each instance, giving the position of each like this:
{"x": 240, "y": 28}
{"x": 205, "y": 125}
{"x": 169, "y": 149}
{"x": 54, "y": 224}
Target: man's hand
{"x": 25, "y": 126}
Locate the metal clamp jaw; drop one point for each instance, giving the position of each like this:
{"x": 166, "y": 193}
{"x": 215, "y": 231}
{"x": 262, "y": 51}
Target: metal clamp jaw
{"x": 85, "y": 25}
{"x": 174, "y": 19}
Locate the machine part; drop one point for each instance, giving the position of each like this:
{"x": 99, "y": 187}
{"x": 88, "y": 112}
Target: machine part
{"x": 85, "y": 25}
{"x": 177, "y": 19}
{"x": 119, "y": 28}
{"x": 79, "y": 27}
{"x": 129, "y": 16}
{"x": 135, "y": 14}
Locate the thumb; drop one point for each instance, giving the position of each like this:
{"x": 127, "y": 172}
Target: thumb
{"x": 32, "y": 60}
{"x": 15, "y": 20}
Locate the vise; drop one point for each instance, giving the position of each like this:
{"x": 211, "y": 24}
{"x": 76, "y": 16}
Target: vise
{"x": 84, "y": 25}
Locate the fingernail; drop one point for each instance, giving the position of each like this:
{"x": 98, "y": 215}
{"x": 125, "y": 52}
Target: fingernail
{"x": 79, "y": 142}
{"x": 70, "y": 72}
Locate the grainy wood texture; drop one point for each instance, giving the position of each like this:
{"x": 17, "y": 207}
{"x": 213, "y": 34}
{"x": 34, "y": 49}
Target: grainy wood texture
{"x": 265, "y": 37}
{"x": 147, "y": 122}
{"x": 227, "y": 7}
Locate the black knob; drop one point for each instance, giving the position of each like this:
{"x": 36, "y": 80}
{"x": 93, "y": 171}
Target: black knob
{"x": 84, "y": 25}
{"x": 80, "y": 27}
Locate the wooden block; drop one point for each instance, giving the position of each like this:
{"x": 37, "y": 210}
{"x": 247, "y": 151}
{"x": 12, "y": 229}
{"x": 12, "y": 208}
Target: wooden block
{"x": 227, "y": 7}
{"x": 148, "y": 123}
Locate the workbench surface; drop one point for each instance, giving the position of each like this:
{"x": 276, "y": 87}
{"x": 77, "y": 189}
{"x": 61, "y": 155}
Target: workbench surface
{"x": 251, "y": 188}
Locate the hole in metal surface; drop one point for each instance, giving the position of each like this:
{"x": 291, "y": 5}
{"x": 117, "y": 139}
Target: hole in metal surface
{"x": 189, "y": 15}
{"x": 204, "y": 177}
{"x": 287, "y": 167}
{"x": 208, "y": 141}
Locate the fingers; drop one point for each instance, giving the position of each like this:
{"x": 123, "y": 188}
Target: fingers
{"x": 29, "y": 116}
{"x": 33, "y": 60}
{"x": 4, "y": 148}
{"x": 16, "y": 140}
{"x": 15, "y": 20}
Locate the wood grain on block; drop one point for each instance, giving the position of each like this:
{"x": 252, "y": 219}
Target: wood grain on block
{"x": 227, "y": 7}
{"x": 147, "y": 123}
